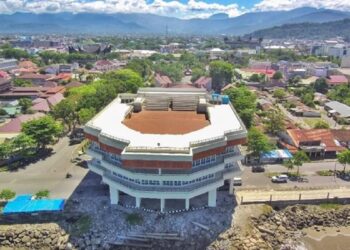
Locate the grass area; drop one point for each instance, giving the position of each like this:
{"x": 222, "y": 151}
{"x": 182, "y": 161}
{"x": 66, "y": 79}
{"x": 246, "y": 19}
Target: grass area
{"x": 312, "y": 121}
{"x": 81, "y": 226}
{"x": 325, "y": 173}
{"x": 134, "y": 219}
{"x": 330, "y": 206}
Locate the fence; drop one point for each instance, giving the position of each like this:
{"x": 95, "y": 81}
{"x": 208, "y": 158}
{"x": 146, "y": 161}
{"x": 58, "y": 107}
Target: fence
{"x": 293, "y": 197}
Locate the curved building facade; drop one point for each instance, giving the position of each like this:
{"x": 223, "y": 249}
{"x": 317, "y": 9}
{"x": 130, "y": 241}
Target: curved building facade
{"x": 166, "y": 144}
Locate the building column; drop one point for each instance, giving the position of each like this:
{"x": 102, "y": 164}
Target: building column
{"x": 162, "y": 205}
{"x": 212, "y": 198}
{"x": 114, "y": 195}
{"x": 187, "y": 204}
{"x": 138, "y": 201}
{"x": 231, "y": 186}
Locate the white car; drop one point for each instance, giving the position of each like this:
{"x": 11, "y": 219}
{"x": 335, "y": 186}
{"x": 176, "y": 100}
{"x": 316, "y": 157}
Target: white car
{"x": 280, "y": 178}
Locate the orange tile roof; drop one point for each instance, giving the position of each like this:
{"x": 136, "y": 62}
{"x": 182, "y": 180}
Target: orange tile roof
{"x": 325, "y": 136}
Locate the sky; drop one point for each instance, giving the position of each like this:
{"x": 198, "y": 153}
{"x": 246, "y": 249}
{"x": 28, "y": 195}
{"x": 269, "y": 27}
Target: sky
{"x": 175, "y": 8}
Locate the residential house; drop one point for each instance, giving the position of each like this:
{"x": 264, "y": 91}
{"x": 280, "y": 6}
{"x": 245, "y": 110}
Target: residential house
{"x": 316, "y": 143}
{"x": 320, "y": 98}
{"x": 336, "y": 80}
{"x": 342, "y": 136}
{"x": 339, "y": 111}
{"x": 108, "y": 65}
{"x": 31, "y": 92}
{"x": 36, "y": 79}
{"x": 5, "y": 85}
{"x": 264, "y": 104}
{"x": 216, "y": 53}
{"x": 162, "y": 81}
{"x": 204, "y": 83}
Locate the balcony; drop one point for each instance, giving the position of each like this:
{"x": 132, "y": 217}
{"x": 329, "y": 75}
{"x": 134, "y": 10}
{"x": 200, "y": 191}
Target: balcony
{"x": 220, "y": 159}
{"x": 161, "y": 188}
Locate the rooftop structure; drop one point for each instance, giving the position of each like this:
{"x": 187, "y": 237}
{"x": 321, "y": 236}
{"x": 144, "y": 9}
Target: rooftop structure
{"x": 166, "y": 144}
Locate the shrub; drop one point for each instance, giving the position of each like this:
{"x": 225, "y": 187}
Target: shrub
{"x": 7, "y": 194}
{"x": 42, "y": 194}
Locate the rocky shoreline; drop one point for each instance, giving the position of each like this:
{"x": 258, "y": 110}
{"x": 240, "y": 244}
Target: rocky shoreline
{"x": 266, "y": 229}
{"x": 281, "y": 229}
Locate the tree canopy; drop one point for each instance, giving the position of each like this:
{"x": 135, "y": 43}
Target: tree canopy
{"x": 43, "y": 130}
{"x": 221, "y": 73}
{"x": 257, "y": 142}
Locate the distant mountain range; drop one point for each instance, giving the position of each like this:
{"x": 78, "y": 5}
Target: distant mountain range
{"x": 307, "y": 30}
{"x": 137, "y": 23}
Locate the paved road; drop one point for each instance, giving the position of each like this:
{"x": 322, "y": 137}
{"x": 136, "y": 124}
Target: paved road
{"x": 262, "y": 181}
{"x": 49, "y": 173}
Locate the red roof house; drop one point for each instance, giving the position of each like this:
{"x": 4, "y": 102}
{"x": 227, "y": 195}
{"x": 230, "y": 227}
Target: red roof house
{"x": 336, "y": 80}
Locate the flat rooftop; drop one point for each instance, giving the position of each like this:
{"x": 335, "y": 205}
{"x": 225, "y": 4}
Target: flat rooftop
{"x": 110, "y": 121}
{"x": 166, "y": 122}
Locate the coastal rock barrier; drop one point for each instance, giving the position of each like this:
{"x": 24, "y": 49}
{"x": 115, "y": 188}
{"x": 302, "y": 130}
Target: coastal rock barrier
{"x": 282, "y": 229}
{"x": 33, "y": 236}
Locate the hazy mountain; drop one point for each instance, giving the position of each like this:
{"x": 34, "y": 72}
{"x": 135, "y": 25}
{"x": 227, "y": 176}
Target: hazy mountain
{"x": 62, "y": 23}
{"x": 307, "y": 30}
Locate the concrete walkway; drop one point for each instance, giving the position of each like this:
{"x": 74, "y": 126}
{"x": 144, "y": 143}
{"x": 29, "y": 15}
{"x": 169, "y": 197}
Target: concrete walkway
{"x": 49, "y": 173}
{"x": 290, "y": 195}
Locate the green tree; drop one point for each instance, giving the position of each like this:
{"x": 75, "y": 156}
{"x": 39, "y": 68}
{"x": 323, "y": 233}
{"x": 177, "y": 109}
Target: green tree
{"x": 320, "y": 85}
{"x": 7, "y": 194}
{"x": 141, "y": 66}
{"x": 308, "y": 99}
{"x": 344, "y": 158}
{"x": 124, "y": 80}
{"x": 321, "y": 124}
{"x": 257, "y": 142}
{"x": 43, "y": 130}
{"x": 275, "y": 121}
{"x": 279, "y": 93}
{"x": 22, "y": 83}
{"x": 14, "y": 53}
{"x": 25, "y": 104}
{"x": 278, "y": 75}
{"x": 66, "y": 111}
{"x": 298, "y": 160}
{"x": 22, "y": 144}
{"x": 244, "y": 102}
{"x": 86, "y": 114}
{"x": 6, "y": 150}
{"x": 197, "y": 73}
{"x": 258, "y": 78}
{"x": 221, "y": 73}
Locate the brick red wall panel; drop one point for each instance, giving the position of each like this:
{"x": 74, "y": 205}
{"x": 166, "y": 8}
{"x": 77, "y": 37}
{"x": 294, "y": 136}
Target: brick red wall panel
{"x": 110, "y": 149}
{"x": 237, "y": 142}
{"x": 157, "y": 164}
{"x": 214, "y": 151}
{"x": 91, "y": 137}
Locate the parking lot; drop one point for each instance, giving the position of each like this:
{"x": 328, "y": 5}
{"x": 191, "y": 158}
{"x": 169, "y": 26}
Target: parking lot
{"x": 262, "y": 180}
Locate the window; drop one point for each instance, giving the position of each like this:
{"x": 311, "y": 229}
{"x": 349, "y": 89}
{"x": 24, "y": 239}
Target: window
{"x": 167, "y": 183}
{"x": 177, "y": 183}
{"x": 144, "y": 182}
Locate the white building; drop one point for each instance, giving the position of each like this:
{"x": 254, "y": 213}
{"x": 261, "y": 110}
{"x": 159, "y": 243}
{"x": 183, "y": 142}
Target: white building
{"x": 166, "y": 144}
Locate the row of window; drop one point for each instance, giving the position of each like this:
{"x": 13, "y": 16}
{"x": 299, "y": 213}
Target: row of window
{"x": 164, "y": 183}
{"x": 204, "y": 161}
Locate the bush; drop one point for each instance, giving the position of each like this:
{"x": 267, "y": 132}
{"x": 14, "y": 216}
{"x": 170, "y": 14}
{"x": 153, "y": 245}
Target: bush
{"x": 7, "y": 194}
{"x": 42, "y": 194}
{"x": 325, "y": 173}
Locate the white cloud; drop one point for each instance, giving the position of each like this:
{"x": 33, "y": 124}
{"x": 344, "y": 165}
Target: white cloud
{"x": 268, "y": 5}
{"x": 193, "y": 8}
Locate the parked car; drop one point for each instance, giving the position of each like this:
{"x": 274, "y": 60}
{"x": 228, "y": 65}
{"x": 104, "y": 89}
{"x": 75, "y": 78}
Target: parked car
{"x": 258, "y": 169}
{"x": 237, "y": 181}
{"x": 279, "y": 178}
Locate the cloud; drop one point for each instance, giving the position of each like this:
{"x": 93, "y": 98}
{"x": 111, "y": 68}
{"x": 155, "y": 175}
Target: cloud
{"x": 193, "y": 8}
{"x": 268, "y": 5}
